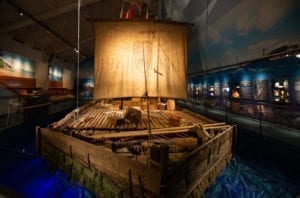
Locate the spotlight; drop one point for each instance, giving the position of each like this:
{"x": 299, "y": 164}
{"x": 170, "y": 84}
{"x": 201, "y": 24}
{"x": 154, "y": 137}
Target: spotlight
{"x": 21, "y": 13}
{"x": 76, "y": 50}
{"x": 298, "y": 55}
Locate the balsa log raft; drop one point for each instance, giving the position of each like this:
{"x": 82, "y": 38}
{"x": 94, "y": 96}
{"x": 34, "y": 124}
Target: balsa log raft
{"x": 99, "y": 117}
{"x": 114, "y": 154}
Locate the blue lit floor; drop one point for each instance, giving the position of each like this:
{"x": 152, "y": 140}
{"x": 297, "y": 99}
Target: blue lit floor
{"x": 22, "y": 174}
{"x": 30, "y": 178}
{"x": 261, "y": 168}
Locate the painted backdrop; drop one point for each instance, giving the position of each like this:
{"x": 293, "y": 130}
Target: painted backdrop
{"x": 231, "y": 31}
{"x": 15, "y": 65}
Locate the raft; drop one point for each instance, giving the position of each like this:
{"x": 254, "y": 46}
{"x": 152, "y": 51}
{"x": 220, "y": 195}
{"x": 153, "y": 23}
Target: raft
{"x": 180, "y": 155}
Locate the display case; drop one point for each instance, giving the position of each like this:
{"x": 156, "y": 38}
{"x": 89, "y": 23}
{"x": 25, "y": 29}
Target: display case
{"x": 211, "y": 91}
{"x": 217, "y": 89}
{"x": 297, "y": 90}
{"x": 261, "y": 90}
{"x": 280, "y": 89}
{"x": 245, "y": 89}
{"x": 225, "y": 89}
{"x": 60, "y": 99}
{"x": 11, "y": 107}
{"x": 34, "y": 101}
{"x": 198, "y": 93}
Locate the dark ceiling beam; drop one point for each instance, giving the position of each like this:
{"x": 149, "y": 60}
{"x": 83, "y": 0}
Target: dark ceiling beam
{"x": 73, "y": 47}
{"x": 81, "y": 42}
{"x": 46, "y": 15}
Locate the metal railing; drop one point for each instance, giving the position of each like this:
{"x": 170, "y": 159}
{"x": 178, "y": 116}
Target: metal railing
{"x": 283, "y": 115}
{"x": 11, "y": 107}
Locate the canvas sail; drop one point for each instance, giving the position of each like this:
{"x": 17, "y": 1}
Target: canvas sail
{"x": 130, "y": 53}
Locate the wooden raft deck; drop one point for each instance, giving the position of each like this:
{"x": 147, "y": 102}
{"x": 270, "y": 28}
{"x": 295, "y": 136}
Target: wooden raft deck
{"x": 94, "y": 118}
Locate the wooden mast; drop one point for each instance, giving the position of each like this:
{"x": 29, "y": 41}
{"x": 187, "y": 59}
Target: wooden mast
{"x": 147, "y": 98}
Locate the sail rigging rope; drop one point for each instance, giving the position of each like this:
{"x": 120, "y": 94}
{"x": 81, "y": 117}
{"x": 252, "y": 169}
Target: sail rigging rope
{"x": 147, "y": 99}
{"x": 78, "y": 58}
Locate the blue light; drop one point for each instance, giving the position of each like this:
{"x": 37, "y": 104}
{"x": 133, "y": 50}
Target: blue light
{"x": 245, "y": 77}
{"x": 31, "y": 178}
{"x": 261, "y": 76}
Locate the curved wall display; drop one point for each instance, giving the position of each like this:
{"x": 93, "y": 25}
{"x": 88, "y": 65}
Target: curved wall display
{"x": 274, "y": 81}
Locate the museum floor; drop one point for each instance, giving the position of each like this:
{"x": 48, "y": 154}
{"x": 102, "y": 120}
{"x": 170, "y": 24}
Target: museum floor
{"x": 261, "y": 167}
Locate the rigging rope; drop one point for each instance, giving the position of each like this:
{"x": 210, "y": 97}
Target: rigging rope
{"x": 78, "y": 57}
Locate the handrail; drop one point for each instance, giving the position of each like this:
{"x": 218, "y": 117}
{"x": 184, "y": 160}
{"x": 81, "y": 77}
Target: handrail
{"x": 294, "y": 107}
{"x": 283, "y": 115}
{"x": 11, "y": 89}
{"x": 8, "y": 97}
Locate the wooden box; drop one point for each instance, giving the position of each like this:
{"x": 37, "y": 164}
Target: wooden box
{"x": 133, "y": 115}
{"x": 116, "y": 121}
{"x": 175, "y": 121}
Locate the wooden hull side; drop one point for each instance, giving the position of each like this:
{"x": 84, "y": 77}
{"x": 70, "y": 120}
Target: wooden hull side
{"x": 108, "y": 174}
{"x": 194, "y": 175}
{"x": 116, "y": 172}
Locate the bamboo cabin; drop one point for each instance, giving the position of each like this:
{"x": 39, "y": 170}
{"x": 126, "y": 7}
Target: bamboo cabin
{"x": 132, "y": 140}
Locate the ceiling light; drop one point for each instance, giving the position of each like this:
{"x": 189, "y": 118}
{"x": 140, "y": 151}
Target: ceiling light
{"x": 298, "y": 55}
{"x": 21, "y": 13}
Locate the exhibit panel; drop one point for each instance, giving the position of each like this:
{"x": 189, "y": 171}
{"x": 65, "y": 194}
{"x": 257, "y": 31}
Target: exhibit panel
{"x": 261, "y": 90}
{"x": 246, "y": 89}
{"x": 297, "y": 89}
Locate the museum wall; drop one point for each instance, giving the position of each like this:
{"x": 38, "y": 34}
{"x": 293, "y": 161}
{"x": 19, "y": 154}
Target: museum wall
{"x": 41, "y": 73}
{"x": 68, "y": 79}
{"x": 38, "y": 60}
{"x": 227, "y": 32}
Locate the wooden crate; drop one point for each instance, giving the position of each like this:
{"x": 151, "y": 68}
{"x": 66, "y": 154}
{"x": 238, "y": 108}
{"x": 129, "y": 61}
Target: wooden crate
{"x": 133, "y": 115}
{"x": 115, "y": 121}
{"x": 175, "y": 121}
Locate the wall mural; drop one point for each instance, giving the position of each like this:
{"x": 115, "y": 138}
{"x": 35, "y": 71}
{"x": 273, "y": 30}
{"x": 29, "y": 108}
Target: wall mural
{"x": 231, "y": 31}
{"x": 55, "y": 73}
{"x": 15, "y": 65}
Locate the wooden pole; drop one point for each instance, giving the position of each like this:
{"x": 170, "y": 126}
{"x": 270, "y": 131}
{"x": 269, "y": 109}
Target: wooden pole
{"x": 147, "y": 99}
{"x": 38, "y": 140}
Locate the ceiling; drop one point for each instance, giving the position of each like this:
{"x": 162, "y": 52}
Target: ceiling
{"x": 51, "y": 26}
